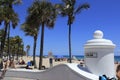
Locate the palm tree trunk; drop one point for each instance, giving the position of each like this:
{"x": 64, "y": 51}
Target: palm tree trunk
{"x": 41, "y": 47}
{"x": 9, "y": 41}
{"x": 18, "y": 50}
{"x": 3, "y": 41}
{"x": 69, "y": 36}
{"x": 23, "y": 50}
{"x": 14, "y": 53}
{"x": 34, "y": 52}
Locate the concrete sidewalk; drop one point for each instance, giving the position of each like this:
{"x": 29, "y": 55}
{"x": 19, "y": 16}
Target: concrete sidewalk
{"x": 0, "y": 73}
{"x": 22, "y": 74}
{"x": 13, "y": 78}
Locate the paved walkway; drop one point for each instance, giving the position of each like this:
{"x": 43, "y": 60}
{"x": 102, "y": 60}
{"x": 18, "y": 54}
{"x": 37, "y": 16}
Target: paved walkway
{"x": 22, "y": 74}
{"x": 0, "y": 73}
{"x": 13, "y": 78}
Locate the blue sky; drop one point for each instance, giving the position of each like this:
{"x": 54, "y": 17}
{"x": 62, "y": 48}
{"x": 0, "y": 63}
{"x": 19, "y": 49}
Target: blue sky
{"x": 102, "y": 15}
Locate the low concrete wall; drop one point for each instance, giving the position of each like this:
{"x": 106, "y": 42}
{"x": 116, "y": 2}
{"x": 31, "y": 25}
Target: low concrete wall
{"x": 59, "y": 72}
{"x": 67, "y": 72}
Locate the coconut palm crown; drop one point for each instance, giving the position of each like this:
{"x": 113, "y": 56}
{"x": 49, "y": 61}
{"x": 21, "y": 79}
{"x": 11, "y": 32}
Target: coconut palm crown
{"x": 30, "y": 31}
{"x": 68, "y": 8}
{"x": 9, "y": 17}
{"x": 45, "y": 14}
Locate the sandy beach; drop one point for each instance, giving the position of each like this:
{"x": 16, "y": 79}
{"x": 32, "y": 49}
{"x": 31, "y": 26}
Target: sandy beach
{"x": 45, "y": 61}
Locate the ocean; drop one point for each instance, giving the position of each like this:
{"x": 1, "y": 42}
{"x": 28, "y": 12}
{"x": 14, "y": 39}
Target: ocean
{"x": 117, "y": 58}
{"x": 79, "y": 57}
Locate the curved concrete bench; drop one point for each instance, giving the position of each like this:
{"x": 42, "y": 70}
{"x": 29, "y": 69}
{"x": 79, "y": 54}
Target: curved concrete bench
{"x": 60, "y": 72}
{"x": 67, "y": 72}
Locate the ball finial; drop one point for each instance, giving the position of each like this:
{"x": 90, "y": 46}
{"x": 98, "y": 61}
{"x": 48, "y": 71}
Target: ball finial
{"x": 98, "y": 34}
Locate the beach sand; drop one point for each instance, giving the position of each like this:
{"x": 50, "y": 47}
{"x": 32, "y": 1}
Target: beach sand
{"x": 45, "y": 61}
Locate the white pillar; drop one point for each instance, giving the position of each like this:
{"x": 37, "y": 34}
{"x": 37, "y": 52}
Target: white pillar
{"x": 99, "y": 55}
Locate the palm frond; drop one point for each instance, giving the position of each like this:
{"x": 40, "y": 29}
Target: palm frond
{"x": 17, "y": 2}
{"x": 29, "y": 31}
{"x": 81, "y": 7}
{"x": 14, "y": 20}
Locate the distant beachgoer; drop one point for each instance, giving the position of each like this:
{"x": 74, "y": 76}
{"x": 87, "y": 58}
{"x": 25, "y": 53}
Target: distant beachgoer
{"x": 118, "y": 72}
{"x": 5, "y": 59}
{"x": 22, "y": 62}
{"x": 5, "y": 65}
{"x": 27, "y": 67}
{"x": 12, "y": 64}
{"x": 50, "y": 55}
{"x": 81, "y": 63}
{"x": 29, "y": 63}
{"x": 51, "y": 62}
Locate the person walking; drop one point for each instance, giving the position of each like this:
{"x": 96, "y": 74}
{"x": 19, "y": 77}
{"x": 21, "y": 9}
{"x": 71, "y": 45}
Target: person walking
{"x": 50, "y": 59}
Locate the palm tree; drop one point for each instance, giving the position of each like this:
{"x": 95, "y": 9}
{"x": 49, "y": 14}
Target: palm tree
{"x": 1, "y": 40}
{"x": 18, "y": 41}
{"x": 28, "y": 48}
{"x": 14, "y": 22}
{"x": 2, "y": 18}
{"x": 21, "y": 49}
{"x": 68, "y": 8}
{"x": 1, "y": 36}
{"x": 8, "y": 16}
{"x": 46, "y": 14}
{"x": 14, "y": 46}
{"x": 34, "y": 33}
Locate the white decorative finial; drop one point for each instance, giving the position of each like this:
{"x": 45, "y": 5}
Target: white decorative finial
{"x": 98, "y": 34}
